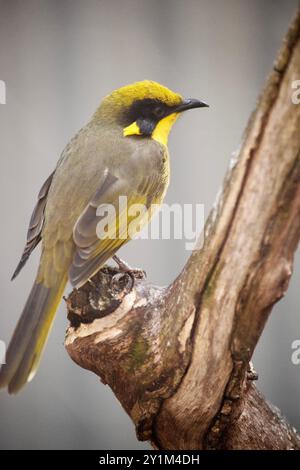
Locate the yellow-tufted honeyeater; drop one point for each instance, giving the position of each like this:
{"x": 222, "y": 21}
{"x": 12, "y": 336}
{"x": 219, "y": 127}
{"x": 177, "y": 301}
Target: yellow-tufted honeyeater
{"x": 121, "y": 151}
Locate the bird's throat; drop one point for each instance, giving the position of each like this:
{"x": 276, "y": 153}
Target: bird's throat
{"x": 163, "y": 127}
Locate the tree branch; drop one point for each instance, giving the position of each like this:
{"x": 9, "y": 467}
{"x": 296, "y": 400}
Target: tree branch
{"x": 177, "y": 357}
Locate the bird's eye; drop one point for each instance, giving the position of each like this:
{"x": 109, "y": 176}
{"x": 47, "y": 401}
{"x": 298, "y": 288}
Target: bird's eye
{"x": 158, "y": 112}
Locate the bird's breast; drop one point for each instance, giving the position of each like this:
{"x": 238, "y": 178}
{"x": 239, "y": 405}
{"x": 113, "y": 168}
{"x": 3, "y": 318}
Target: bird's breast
{"x": 164, "y": 174}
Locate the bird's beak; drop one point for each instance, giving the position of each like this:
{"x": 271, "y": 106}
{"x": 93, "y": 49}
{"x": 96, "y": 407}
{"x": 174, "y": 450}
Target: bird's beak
{"x": 190, "y": 103}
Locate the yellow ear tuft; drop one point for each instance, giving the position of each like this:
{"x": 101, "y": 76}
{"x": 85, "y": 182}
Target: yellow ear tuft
{"x": 133, "y": 129}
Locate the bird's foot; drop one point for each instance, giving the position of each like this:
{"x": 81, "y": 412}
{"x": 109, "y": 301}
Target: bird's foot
{"x": 134, "y": 273}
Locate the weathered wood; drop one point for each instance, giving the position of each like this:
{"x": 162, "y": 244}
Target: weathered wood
{"x": 260, "y": 426}
{"x": 177, "y": 357}
{"x": 131, "y": 348}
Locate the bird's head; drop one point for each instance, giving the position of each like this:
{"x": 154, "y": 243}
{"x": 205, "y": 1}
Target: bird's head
{"x": 145, "y": 109}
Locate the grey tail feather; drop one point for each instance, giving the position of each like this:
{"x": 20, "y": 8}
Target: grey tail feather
{"x": 22, "y": 355}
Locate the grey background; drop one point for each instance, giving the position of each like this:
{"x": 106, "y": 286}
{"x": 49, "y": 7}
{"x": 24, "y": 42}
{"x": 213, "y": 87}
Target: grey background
{"x": 58, "y": 59}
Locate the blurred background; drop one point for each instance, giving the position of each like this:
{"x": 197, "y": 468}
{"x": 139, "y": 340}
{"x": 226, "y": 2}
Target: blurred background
{"x": 58, "y": 59}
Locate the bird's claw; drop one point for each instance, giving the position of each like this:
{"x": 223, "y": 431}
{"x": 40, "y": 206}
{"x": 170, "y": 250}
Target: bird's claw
{"x": 134, "y": 273}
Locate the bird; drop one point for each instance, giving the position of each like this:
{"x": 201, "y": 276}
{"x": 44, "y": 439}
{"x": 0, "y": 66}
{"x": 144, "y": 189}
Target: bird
{"x": 121, "y": 151}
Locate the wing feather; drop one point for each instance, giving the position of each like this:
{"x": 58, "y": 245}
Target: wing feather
{"x": 35, "y": 225}
{"x": 92, "y": 249}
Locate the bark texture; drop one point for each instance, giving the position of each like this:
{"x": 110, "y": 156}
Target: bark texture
{"x": 178, "y": 358}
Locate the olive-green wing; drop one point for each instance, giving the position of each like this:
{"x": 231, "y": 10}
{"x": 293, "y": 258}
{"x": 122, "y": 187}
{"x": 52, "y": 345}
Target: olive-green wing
{"x": 94, "y": 248}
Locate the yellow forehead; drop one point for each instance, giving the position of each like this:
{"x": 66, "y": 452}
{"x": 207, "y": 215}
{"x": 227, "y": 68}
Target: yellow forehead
{"x": 142, "y": 90}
